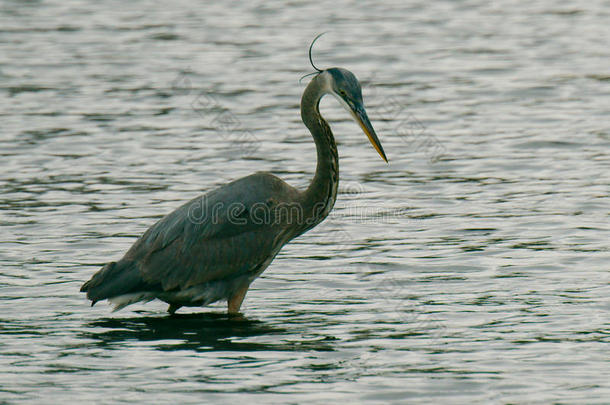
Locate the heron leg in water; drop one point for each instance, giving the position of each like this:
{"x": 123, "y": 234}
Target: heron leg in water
{"x": 236, "y": 299}
{"x": 173, "y": 308}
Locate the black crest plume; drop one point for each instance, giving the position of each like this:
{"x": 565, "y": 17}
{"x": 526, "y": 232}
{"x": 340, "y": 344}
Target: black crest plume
{"x": 311, "y": 60}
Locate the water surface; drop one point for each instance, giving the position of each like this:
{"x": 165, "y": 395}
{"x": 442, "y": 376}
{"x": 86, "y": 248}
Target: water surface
{"x": 472, "y": 269}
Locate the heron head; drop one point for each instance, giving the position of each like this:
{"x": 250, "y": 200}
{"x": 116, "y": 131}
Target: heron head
{"x": 342, "y": 84}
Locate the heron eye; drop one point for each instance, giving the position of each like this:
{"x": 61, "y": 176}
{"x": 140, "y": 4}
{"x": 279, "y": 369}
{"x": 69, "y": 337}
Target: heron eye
{"x": 343, "y": 93}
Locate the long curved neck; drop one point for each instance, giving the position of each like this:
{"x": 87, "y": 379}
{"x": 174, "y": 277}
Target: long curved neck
{"x": 320, "y": 196}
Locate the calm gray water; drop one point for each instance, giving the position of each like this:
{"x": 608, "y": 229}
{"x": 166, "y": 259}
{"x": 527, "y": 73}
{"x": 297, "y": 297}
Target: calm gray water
{"x": 474, "y": 268}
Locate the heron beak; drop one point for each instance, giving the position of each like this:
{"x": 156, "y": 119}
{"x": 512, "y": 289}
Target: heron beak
{"x": 360, "y": 116}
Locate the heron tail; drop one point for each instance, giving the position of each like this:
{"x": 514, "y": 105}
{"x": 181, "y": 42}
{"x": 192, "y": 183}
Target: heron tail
{"x": 112, "y": 280}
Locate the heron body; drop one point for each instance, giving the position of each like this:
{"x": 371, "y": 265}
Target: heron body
{"x": 214, "y": 246}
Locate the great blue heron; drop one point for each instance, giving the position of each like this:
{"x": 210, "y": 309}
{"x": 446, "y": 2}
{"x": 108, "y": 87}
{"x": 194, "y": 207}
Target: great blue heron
{"x": 214, "y": 246}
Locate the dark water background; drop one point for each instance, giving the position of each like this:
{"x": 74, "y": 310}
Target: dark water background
{"x": 472, "y": 269}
